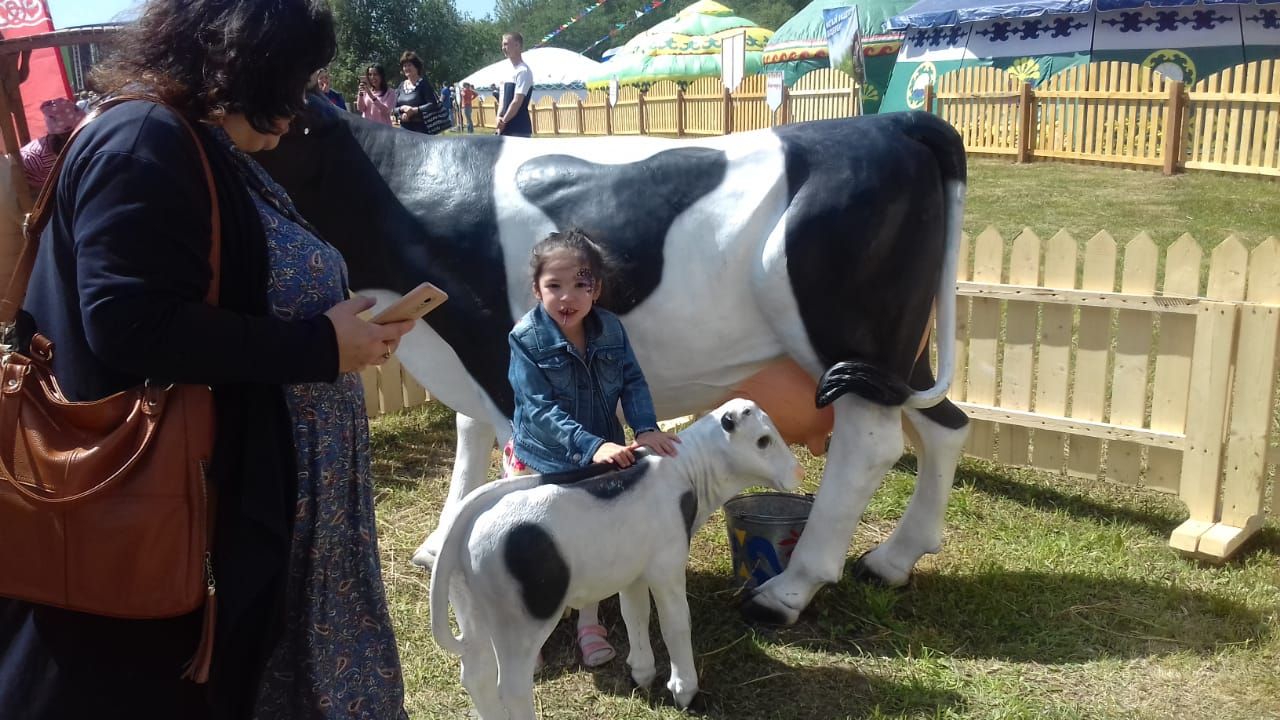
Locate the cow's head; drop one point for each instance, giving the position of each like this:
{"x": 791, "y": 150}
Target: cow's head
{"x": 756, "y": 451}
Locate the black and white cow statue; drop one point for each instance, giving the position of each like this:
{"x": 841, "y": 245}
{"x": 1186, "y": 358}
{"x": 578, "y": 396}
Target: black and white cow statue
{"x": 518, "y": 552}
{"x": 782, "y": 265}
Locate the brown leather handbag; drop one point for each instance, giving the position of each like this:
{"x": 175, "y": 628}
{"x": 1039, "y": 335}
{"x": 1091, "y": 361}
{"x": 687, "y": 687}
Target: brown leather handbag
{"x": 104, "y": 505}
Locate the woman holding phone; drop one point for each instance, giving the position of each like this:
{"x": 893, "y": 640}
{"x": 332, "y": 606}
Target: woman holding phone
{"x": 376, "y": 99}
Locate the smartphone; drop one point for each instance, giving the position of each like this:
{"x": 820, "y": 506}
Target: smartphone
{"x": 416, "y": 303}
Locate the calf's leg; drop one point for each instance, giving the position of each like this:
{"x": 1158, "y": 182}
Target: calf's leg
{"x": 634, "y": 602}
{"x": 673, "y": 615}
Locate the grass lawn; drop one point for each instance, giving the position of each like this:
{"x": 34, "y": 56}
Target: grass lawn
{"x": 1052, "y": 598}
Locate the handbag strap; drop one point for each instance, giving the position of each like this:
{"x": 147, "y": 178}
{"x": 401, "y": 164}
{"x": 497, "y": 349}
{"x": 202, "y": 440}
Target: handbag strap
{"x": 40, "y": 214}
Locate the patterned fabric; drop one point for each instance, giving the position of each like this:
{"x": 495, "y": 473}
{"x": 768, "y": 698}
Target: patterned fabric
{"x": 337, "y": 657}
{"x": 37, "y": 162}
{"x": 512, "y": 465}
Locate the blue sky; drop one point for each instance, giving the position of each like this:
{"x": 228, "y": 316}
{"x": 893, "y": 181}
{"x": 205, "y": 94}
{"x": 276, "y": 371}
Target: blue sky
{"x": 70, "y": 13}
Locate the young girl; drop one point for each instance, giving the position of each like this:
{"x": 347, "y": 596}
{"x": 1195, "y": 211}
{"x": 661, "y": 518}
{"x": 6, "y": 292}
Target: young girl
{"x": 571, "y": 363}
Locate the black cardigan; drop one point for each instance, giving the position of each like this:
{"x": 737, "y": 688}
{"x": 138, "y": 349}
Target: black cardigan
{"x": 423, "y": 97}
{"x": 118, "y": 286}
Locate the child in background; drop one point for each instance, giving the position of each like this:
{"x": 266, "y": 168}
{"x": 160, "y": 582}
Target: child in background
{"x": 571, "y": 363}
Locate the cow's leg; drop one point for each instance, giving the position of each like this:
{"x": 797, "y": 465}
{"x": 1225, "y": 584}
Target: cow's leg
{"x": 516, "y": 645}
{"x": 673, "y": 616}
{"x": 634, "y": 602}
{"x": 941, "y": 431}
{"x": 866, "y": 442}
{"x": 470, "y": 470}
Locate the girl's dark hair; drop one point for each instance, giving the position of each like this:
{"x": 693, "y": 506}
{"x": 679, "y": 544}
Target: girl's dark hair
{"x": 575, "y": 241}
{"x": 412, "y": 58}
{"x": 382, "y": 76}
{"x": 212, "y": 57}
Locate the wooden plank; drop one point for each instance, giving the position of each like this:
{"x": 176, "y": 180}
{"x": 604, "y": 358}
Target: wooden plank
{"x": 1133, "y": 350}
{"x": 1082, "y": 298}
{"x": 1171, "y": 387}
{"x": 414, "y": 393}
{"x": 1017, "y": 368}
{"x": 1272, "y": 144}
{"x": 1244, "y": 483}
{"x": 1108, "y": 95}
{"x": 1078, "y": 428}
{"x": 1053, "y": 368}
{"x": 391, "y": 390}
{"x": 963, "y": 272}
{"x": 1088, "y": 389}
{"x": 1264, "y": 273}
{"x": 1201, "y": 483}
{"x": 984, "y": 334}
{"x": 1228, "y": 269}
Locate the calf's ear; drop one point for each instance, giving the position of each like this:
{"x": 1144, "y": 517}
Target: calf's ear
{"x": 728, "y": 422}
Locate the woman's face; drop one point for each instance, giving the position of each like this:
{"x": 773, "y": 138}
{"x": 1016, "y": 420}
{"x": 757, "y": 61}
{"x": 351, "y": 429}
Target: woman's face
{"x": 410, "y": 72}
{"x": 374, "y": 78}
{"x": 248, "y": 139}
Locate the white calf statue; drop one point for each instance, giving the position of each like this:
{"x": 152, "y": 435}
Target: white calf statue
{"x": 522, "y": 550}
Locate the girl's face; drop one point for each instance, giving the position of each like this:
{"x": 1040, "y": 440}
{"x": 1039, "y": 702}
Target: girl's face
{"x": 374, "y": 78}
{"x": 567, "y": 289}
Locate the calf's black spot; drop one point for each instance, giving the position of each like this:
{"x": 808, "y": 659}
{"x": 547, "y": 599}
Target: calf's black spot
{"x": 688, "y": 509}
{"x": 627, "y": 208}
{"x": 536, "y": 563}
{"x": 601, "y": 480}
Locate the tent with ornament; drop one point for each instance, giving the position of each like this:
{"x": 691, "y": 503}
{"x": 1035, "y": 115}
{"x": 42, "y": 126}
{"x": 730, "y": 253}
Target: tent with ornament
{"x": 800, "y": 46}
{"x": 1035, "y": 39}
{"x": 683, "y": 48}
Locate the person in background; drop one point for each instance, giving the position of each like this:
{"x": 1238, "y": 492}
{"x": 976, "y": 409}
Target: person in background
{"x": 61, "y": 116}
{"x": 468, "y": 97}
{"x": 376, "y": 99}
{"x": 416, "y": 95}
{"x": 513, "y": 109}
{"x": 303, "y": 629}
{"x": 326, "y": 87}
{"x": 446, "y": 98}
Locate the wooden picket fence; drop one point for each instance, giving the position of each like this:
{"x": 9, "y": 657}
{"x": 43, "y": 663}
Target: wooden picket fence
{"x": 1122, "y": 114}
{"x": 1167, "y": 384}
{"x": 1165, "y": 379}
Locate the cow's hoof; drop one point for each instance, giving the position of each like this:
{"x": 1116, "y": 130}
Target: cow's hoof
{"x": 698, "y": 705}
{"x": 425, "y": 555}
{"x": 864, "y": 571}
{"x": 643, "y": 678}
{"x": 683, "y": 693}
{"x": 756, "y": 608}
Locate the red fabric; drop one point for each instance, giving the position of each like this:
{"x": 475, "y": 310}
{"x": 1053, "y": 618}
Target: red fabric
{"x": 48, "y": 78}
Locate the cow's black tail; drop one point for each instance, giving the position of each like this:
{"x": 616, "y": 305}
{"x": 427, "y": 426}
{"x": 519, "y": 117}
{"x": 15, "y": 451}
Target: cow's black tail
{"x": 873, "y": 383}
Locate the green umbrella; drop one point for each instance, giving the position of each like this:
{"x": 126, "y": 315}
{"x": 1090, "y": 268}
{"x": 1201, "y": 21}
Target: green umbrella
{"x": 682, "y": 48}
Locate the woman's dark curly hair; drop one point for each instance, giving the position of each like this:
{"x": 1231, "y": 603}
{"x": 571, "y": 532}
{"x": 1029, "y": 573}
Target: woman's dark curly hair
{"x": 212, "y": 57}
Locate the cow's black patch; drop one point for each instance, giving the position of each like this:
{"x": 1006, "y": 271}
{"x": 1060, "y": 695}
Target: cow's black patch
{"x": 862, "y": 379}
{"x": 628, "y": 208}
{"x": 689, "y": 510}
{"x": 537, "y": 565}
{"x": 865, "y": 234}
{"x": 600, "y": 479}
{"x": 404, "y": 208}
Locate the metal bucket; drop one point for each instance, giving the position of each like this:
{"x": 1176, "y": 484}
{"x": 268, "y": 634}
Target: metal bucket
{"x": 763, "y": 531}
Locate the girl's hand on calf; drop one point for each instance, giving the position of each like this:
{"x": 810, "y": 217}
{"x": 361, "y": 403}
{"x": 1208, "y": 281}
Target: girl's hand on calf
{"x": 663, "y": 443}
{"x": 615, "y": 454}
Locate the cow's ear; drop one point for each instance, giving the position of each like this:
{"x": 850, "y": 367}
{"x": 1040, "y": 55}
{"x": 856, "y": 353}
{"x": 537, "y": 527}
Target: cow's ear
{"x": 728, "y": 422}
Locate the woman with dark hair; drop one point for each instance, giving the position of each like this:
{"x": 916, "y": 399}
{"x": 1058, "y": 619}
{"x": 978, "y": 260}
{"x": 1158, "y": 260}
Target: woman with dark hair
{"x": 376, "y": 98}
{"x": 302, "y": 627}
{"x": 416, "y": 97}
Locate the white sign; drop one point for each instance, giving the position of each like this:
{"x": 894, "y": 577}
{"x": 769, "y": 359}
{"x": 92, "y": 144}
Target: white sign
{"x": 733, "y": 59}
{"x": 613, "y": 92}
{"x": 773, "y": 90}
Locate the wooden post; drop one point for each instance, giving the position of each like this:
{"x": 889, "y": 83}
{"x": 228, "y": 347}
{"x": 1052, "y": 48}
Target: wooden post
{"x": 555, "y": 118}
{"x": 8, "y": 83}
{"x": 608, "y": 117}
{"x": 679, "y": 112}
{"x": 928, "y": 98}
{"x": 582, "y": 127}
{"x": 785, "y": 109}
{"x": 727, "y": 100}
{"x": 854, "y": 92}
{"x": 640, "y": 112}
{"x": 1173, "y": 127}
{"x": 1026, "y": 107}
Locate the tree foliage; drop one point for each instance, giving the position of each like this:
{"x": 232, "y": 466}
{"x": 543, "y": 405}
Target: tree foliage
{"x": 453, "y": 45}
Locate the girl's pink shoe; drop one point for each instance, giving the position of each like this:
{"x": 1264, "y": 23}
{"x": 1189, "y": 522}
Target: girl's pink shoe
{"x": 596, "y": 650}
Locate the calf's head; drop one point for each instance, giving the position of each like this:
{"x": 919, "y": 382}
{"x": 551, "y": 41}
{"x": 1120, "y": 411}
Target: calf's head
{"x": 756, "y": 451}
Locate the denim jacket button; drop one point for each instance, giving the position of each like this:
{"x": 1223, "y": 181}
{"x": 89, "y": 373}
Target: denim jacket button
{"x": 577, "y": 457}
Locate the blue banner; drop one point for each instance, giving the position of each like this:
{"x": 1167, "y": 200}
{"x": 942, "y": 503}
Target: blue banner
{"x": 844, "y": 40}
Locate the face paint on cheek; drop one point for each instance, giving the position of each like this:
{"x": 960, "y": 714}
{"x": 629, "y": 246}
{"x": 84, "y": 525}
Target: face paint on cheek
{"x": 586, "y": 276}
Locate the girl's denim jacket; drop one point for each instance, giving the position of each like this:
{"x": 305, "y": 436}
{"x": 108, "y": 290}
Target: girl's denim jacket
{"x": 566, "y": 404}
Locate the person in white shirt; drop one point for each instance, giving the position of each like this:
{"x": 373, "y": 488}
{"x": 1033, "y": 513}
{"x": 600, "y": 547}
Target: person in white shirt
{"x": 513, "y": 108}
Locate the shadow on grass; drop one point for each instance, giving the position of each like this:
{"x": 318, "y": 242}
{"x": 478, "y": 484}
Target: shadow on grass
{"x": 1041, "y": 617}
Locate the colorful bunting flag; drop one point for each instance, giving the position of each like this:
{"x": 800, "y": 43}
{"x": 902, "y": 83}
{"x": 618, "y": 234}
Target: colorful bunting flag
{"x": 565, "y": 26}
{"x": 618, "y": 27}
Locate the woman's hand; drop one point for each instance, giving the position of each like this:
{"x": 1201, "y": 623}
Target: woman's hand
{"x": 407, "y": 112}
{"x": 361, "y": 343}
{"x": 614, "y": 454}
{"x": 663, "y": 443}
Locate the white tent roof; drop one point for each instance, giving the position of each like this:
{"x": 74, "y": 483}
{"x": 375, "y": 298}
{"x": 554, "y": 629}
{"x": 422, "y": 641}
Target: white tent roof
{"x": 552, "y": 68}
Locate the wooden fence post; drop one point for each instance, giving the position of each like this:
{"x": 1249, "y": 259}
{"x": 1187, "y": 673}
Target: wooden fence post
{"x": 928, "y": 98}
{"x": 727, "y": 100}
{"x": 582, "y": 127}
{"x": 555, "y": 118}
{"x": 1026, "y": 107}
{"x": 608, "y": 117}
{"x": 679, "y": 112}
{"x": 640, "y": 112}
{"x": 1173, "y": 127}
{"x": 785, "y": 109}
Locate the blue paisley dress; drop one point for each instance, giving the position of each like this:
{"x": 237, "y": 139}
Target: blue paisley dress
{"x": 337, "y": 657}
